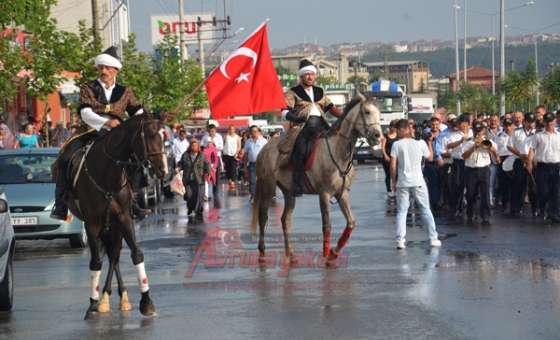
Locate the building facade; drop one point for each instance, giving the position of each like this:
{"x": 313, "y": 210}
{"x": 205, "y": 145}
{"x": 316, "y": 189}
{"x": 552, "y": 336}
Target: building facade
{"x": 475, "y": 76}
{"x": 114, "y": 18}
{"x": 414, "y": 73}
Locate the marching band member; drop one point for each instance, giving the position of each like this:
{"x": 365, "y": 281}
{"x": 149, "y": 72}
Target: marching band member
{"x": 478, "y": 153}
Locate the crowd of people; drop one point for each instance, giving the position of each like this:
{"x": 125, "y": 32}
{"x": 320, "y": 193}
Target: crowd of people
{"x": 484, "y": 163}
{"x": 29, "y": 136}
{"x": 204, "y": 156}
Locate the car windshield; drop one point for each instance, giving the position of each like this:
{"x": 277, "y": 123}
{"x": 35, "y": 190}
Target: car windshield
{"x": 388, "y": 105}
{"x": 20, "y": 169}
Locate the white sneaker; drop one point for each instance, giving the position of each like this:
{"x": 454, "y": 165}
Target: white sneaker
{"x": 435, "y": 243}
{"x": 401, "y": 244}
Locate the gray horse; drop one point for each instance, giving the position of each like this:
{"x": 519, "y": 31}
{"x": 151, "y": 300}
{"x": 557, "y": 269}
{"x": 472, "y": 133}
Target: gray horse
{"x": 330, "y": 175}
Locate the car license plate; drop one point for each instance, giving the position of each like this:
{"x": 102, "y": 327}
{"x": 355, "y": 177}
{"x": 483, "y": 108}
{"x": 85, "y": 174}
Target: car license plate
{"x": 25, "y": 220}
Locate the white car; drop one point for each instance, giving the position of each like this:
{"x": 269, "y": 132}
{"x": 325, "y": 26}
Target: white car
{"x": 7, "y": 249}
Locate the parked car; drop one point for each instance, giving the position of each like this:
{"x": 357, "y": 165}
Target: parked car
{"x": 25, "y": 177}
{"x": 365, "y": 152}
{"x": 7, "y": 249}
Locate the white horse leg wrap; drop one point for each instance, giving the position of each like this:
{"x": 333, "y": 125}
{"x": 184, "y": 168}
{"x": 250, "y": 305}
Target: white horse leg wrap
{"x": 94, "y": 276}
{"x": 142, "y": 278}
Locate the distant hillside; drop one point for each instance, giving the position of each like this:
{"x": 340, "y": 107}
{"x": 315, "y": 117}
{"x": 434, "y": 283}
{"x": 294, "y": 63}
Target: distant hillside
{"x": 442, "y": 62}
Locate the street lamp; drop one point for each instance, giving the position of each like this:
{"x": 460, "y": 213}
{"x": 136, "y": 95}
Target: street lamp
{"x": 456, "y": 9}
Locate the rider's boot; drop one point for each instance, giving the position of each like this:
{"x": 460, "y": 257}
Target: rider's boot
{"x": 60, "y": 209}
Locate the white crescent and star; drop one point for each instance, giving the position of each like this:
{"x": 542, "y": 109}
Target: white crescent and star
{"x": 242, "y": 51}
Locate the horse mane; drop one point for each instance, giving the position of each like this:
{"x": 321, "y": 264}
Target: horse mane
{"x": 347, "y": 108}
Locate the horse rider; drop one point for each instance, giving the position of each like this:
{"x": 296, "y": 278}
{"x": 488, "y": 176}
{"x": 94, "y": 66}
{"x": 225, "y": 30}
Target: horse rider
{"x": 307, "y": 106}
{"x": 103, "y": 105}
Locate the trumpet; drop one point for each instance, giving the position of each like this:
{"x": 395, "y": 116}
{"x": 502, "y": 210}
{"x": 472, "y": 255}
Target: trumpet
{"x": 487, "y": 144}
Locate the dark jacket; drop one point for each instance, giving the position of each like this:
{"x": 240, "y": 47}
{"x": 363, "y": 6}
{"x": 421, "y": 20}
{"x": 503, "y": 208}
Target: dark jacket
{"x": 194, "y": 170}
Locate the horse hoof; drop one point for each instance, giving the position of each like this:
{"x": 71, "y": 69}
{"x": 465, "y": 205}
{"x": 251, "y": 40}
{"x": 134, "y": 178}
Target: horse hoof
{"x": 333, "y": 255}
{"x": 92, "y": 310}
{"x": 125, "y": 305}
{"x": 147, "y": 307}
{"x": 104, "y": 304}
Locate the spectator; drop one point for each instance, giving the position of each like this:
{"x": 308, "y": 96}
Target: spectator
{"x": 27, "y": 138}
{"x": 431, "y": 171}
{"x": 7, "y": 138}
{"x": 180, "y": 145}
{"x": 252, "y": 149}
{"x": 59, "y": 135}
{"x": 406, "y": 160}
{"x": 216, "y": 138}
{"x": 386, "y": 144}
{"x": 232, "y": 146}
{"x": 211, "y": 154}
{"x": 195, "y": 167}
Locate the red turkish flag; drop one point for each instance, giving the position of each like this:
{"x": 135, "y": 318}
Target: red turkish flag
{"x": 246, "y": 82}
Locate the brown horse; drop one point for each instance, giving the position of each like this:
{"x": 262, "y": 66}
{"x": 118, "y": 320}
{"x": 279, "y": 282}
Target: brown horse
{"x": 329, "y": 176}
{"x": 102, "y": 197}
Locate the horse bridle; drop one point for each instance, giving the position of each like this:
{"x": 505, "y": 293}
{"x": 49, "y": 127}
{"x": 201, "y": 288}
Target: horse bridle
{"x": 145, "y": 161}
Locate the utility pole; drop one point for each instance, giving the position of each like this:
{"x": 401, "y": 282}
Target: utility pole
{"x": 537, "y": 92}
{"x": 182, "y": 43}
{"x": 502, "y": 57}
{"x": 465, "y": 46}
{"x": 493, "y": 68}
{"x": 456, "y": 14}
{"x": 200, "y": 47}
{"x": 95, "y": 20}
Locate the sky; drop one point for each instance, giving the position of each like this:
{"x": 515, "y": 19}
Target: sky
{"x": 334, "y": 21}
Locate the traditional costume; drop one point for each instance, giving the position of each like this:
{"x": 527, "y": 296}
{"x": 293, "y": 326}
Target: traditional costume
{"x": 307, "y": 107}
{"x": 98, "y": 104}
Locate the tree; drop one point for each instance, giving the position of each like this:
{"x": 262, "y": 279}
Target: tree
{"x": 325, "y": 80}
{"x": 520, "y": 87}
{"x": 356, "y": 80}
{"x": 137, "y": 71}
{"x": 475, "y": 99}
{"x": 551, "y": 86}
{"x": 174, "y": 80}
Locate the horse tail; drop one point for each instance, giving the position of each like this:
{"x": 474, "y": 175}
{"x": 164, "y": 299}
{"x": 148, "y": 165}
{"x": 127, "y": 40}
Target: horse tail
{"x": 265, "y": 187}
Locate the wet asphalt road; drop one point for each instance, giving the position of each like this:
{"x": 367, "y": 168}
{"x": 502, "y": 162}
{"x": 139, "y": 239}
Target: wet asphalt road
{"x": 497, "y": 282}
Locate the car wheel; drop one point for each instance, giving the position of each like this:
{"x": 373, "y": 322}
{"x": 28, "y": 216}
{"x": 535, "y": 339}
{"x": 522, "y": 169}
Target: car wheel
{"x": 79, "y": 240}
{"x": 7, "y": 287}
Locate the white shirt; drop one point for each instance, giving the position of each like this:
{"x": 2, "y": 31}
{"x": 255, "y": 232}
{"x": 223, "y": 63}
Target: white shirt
{"x": 409, "y": 153}
{"x": 456, "y": 152}
{"x": 502, "y": 140}
{"x": 230, "y": 145}
{"x": 253, "y": 148}
{"x": 445, "y": 140}
{"x": 314, "y": 110}
{"x": 546, "y": 147}
{"x": 480, "y": 156}
{"x": 179, "y": 147}
{"x": 217, "y": 139}
{"x": 519, "y": 138}
{"x": 95, "y": 120}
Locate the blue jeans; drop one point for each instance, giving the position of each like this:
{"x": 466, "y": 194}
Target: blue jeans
{"x": 420, "y": 194}
{"x": 252, "y": 168}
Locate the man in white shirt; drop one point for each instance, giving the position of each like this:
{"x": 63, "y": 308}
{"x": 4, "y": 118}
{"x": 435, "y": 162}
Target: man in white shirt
{"x": 215, "y": 137}
{"x": 478, "y": 154}
{"x": 519, "y": 147}
{"x": 180, "y": 145}
{"x": 503, "y": 192}
{"x": 457, "y": 178}
{"x": 406, "y": 160}
{"x": 253, "y": 147}
{"x": 545, "y": 150}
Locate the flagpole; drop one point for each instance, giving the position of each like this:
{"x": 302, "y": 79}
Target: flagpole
{"x": 189, "y": 97}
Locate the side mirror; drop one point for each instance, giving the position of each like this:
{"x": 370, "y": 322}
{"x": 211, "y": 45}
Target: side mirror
{"x": 3, "y": 206}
